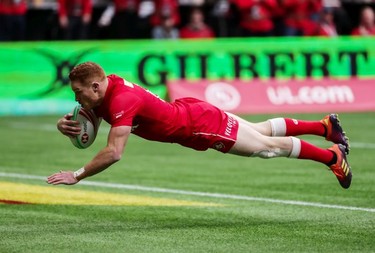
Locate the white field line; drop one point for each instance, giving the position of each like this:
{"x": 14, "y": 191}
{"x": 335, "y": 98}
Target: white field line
{"x": 42, "y": 127}
{"x": 193, "y": 193}
{"x": 105, "y": 129}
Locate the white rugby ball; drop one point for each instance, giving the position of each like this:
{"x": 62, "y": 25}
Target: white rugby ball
{"x": 89, "y": 124}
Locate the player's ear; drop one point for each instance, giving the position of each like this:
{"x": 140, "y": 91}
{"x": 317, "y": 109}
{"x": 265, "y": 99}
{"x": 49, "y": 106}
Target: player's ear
{"x": 95, "y": 86}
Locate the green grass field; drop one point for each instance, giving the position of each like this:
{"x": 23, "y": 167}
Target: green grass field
{"x": 227, "y": 203}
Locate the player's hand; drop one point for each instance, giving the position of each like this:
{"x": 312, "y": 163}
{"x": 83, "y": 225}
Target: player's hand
{"x": 67, "y": 126}
{"x": 63, "y": 177}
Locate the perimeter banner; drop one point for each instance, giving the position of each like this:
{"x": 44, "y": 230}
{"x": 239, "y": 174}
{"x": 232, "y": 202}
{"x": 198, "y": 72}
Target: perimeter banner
{"x": 272, "y": 96}
{"x": 34, "y": 75}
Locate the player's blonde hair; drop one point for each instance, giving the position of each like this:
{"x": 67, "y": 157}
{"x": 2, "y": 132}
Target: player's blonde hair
{"x": 86, "y": 73}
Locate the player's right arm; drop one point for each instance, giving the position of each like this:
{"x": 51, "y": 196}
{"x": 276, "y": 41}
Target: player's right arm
{"x": 67, "y": 126}
{"x": 117, "y": 139}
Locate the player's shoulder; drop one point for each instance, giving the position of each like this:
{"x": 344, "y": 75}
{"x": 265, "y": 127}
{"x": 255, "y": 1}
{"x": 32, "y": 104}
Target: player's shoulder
{"x": 124, "y": 91}
{"x": 115, "y": 80}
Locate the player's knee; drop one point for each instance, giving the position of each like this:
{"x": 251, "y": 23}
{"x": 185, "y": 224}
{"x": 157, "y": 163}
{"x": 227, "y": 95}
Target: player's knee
{"x": 270, "y": 153}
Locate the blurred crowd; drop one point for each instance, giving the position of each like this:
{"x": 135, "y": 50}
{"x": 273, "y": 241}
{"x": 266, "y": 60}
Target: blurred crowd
{"x": 182, "y": 19}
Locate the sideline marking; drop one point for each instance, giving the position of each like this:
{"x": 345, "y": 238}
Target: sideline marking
{"x": 202, "y": 194}
{"x": 19, "y": 193}
{"x": 13, "y": 202}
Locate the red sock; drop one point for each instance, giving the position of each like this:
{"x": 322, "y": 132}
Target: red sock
{"x": 311, "y": 152}
{"x": 299, "y": 127}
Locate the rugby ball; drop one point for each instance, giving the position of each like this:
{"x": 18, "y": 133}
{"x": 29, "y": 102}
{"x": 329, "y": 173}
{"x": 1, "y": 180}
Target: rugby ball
{"x": 89, "y": 124}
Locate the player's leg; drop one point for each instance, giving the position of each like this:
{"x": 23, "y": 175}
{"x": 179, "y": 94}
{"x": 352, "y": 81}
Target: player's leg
{"x": 286, "y": 127}
{"x": 329, "y": 127}
{"x": 252, "y": 143}
{"x": 263, "y": 127}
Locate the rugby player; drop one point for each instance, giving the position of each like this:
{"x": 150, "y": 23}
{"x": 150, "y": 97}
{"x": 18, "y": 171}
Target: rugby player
{"x": 192, "y": 123}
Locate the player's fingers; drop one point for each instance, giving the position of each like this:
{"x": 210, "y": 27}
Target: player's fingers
{"x": 57, "y": 180}
{"x": 72, "y": 133}
{"x": 54, "y": 177}
{"x": 52, "y": 180}
{"x": 68, "y": 116}
{"x": 71, "y": 127}
{"x": 63, "y": 177}
{"x": 72, "y": 122}
{"x": 74, "y": 128}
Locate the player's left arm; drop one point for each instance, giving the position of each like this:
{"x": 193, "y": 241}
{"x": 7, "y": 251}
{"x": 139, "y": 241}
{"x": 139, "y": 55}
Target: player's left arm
{"x": 117, "y": 139}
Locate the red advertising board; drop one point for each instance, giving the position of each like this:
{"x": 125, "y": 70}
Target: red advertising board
{"x": 275, "y": 96}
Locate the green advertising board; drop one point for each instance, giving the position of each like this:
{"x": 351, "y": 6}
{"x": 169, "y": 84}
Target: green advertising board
{"x": 34, "y": 75}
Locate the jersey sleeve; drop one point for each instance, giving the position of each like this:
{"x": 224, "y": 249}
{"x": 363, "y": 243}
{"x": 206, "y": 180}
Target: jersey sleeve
{"x": 124, "y": 109}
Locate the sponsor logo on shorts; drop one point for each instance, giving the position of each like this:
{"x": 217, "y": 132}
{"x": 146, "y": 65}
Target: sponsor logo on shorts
{"x": 134, "y": 127}
{"x": 230, "y": 124}
{"x": 218, "y": 145}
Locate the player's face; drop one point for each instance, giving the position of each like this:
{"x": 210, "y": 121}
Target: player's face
{"x": 86, "y": 96}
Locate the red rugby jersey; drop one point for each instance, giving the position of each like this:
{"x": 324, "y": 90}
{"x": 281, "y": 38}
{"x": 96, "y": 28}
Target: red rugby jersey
{"x": 127, "y": 104}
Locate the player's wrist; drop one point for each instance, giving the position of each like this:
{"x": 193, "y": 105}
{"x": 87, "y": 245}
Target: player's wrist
{"x": 78, "y": 173}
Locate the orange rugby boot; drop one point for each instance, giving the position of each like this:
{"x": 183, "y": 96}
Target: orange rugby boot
{"x": 341, "y": 168}
{"x": 334, "y": 131}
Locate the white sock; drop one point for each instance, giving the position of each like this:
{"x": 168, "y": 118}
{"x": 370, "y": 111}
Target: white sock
{"x": 278, "y": 126}
{"x": 296, "y": 149}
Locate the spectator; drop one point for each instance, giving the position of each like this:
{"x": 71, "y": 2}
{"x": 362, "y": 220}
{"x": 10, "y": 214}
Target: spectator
{"x": 125, "y": 19}
{"x": 166, "y": 30}
{"x": 366, "y": 26}
{"x": 325, "y": 26}
{"x": 12, "y": 20}
{"x": 279, "y": 14}
{"x": 75, "y": 18}
{"x": 196, "y": 28}
{"x": 220, "y": 17}
{"x": 165, "y": 8}
{"x": 105, "y": 21}
{"x": 300, "y": 15}
{"x": 340, "y": 17}
{"x": 256, "y": 17}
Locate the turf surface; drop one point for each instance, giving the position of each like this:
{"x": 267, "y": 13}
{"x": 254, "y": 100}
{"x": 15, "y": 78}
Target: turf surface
{"x": 32, "y": 146}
